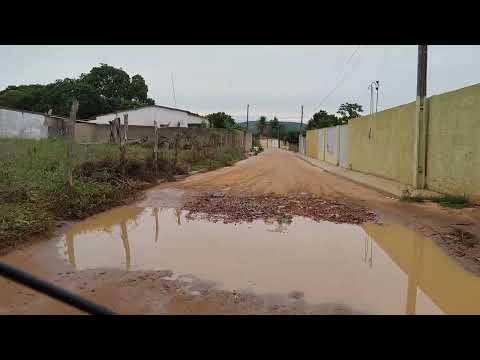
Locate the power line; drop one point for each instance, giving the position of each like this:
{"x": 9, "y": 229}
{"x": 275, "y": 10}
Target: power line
{"x": 342, "y": 79}
{"x": 173, "y": 90}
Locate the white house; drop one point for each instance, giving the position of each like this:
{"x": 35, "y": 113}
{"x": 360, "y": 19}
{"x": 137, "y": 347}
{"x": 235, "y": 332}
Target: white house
{"x": 165, "y": 117}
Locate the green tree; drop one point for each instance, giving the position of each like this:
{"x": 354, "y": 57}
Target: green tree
{"x": 104, "y": 89}
{"x": 24, "y": 97}
{"x": 349, "y": 111}
{"x": 138, "y": 89}
{"x": 262, "y": 125}
{"x": 274, "y": 126}
{"x": 221, "y": 120}
{"x": 322, "y": 119}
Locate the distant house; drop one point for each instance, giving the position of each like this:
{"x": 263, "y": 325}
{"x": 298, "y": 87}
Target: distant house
{"x": 165, "y": 117}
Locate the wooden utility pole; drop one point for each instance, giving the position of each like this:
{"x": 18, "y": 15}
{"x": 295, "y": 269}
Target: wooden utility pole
{"x": 123, "y": 142}
{"x": 301, "y": 122}
{"x": 155, "y": 146}
{"x": 301, "y": 131}
{"x": 70, "y": 138}
{"x": 421, "y": 120}
{"x": 248, "y": 108}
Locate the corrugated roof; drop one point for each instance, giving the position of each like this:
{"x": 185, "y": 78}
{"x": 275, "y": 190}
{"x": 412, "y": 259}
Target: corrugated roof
{"x": 158, "y": 106}
{"x": 32, "y": 112}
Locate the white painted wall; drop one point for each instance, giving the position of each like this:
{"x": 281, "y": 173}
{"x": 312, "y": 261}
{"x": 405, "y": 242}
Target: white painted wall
{"x": 331, "y": 138}
{"x": 22, "y": 125}
{"x": 146, "y": 116}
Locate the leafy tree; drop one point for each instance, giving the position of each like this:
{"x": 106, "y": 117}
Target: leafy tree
{"x": 349, "y": 111}
{"x": 262, "y": 125}
{"x": 138, "y": 89}
{"x": 274, "y": 126}
{"x": 221, "y": 120}
{"x": 322, "y": 119}
{"x": 25, "y": 97}
{"x": 104, "y": 89}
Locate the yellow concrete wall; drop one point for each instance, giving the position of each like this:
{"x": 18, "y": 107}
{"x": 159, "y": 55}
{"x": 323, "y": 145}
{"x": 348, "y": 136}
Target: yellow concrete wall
{"x": 85, "y": 132}
{"x": 332, "y": 156}
{"x": 321, "y": 144}
{"x": 383, "y": 145}
{"x": 453, "y": 150}
{"x": 312, "y": 143}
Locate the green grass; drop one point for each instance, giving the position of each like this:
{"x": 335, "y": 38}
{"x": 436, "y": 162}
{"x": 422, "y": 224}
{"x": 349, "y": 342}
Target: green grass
{"x": 33, "y": 193}
{"x": 417, "y": 199}
{"x": 450, "y": 201}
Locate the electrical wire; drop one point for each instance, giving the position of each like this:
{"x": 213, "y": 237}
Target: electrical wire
{"x": 340, "y": 82}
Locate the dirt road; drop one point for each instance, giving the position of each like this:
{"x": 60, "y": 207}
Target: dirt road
{"x": 274, "y": 171}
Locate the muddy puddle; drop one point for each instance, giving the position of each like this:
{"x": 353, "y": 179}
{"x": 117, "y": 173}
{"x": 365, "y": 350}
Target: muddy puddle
{"x": 372, "y": 269}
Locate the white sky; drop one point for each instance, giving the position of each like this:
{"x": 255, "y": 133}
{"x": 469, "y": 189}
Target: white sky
{"x": 275, "y": 80}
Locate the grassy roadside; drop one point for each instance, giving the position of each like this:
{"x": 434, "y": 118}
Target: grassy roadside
{"x": 450, "y": 201}
{"x": 33, "y": 195}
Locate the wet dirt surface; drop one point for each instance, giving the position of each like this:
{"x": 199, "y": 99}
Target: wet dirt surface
{"x": 156, "y": 261}
{"x": 283, "y": 173}
{"x": 149, "y": 258}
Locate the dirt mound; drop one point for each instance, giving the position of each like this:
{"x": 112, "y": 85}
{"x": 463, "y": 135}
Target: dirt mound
{"x": 235, "y": 209}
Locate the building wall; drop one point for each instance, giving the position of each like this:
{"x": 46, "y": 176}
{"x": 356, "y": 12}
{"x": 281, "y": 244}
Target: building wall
{"x": 312, "y": 143}
{"x": 453, "y": 142}
{"x": 343, "y": 154}
{"x": 29, "y": 125}
{"x": 383, "y": 144}
{"x": 146, "y": 116}
{"x": 331, "y": 144}
{"x": 321, "y": 133}
{"x": 100, "y": 133}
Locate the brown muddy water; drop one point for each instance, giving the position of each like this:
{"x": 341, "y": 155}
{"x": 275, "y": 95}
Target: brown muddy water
{"x": 373, "y": 269}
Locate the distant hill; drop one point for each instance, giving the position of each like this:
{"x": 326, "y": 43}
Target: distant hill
{"x": 287, "y": 125}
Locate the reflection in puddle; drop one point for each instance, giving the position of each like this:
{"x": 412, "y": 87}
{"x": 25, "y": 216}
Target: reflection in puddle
{"x": 377, "y": 269}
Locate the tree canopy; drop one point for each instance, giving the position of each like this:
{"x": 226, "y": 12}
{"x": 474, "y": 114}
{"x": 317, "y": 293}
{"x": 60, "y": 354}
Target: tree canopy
{"x": 104, "y": 89}
{"x": 322, "y": 119}
{"x": 221, "y": 120}
{"x": 262, "y": 125}
{"x": 349, "y": 111}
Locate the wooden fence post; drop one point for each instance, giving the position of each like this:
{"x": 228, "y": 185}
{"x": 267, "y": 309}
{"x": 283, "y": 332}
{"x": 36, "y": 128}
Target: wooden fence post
{"x": 123, "y": 142}
{"x": 155, "y": 146}
{"x": 70, "y": 138}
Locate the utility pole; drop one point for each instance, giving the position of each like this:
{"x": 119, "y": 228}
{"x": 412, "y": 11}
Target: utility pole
{"x": 246, "y": 131}
{"x": 421, "y": 120}
{"x": 300, "y": 137}
{"x": 248, "y": 106}
{"x": 301, "y": 121}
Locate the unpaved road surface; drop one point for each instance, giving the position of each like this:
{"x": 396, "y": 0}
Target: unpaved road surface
{"x": 95, "y": 274}
{"x": 282, "y": 172}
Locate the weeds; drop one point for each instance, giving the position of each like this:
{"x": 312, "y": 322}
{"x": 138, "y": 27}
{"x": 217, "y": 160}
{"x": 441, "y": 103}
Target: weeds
{"x": 33, "y": 194}
{"x": 456, "y": 202}
{"x": 450, "y": 201}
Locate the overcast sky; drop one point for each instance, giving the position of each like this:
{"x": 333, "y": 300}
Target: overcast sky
{"x": 275, "y": 80}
